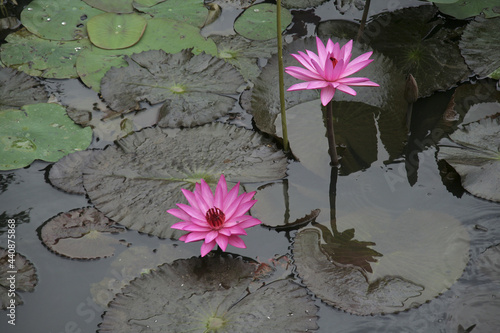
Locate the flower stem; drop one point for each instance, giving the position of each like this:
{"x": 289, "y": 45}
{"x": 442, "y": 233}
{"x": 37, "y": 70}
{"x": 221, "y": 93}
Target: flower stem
{"x": 286, "y": 146}
{"x": 332, "y": 147}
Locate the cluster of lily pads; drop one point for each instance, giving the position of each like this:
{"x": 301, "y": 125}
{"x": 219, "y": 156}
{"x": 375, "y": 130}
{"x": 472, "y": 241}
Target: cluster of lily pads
{"x": 132, "y": 52}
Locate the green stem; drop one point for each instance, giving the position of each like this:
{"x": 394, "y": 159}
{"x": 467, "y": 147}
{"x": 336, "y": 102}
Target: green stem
{"x": 286, "y": 146}
{"x": 363, "y": 20}
{"x": 332, "y": 147}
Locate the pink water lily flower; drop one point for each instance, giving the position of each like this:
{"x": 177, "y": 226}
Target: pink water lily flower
{"x": 216, "y": 219}
{"x": 329, "y": 70}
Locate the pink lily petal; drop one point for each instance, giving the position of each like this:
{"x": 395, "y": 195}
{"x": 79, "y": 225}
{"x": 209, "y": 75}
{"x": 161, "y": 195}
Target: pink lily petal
{"x": 195, "y": 236}
{"x": 191, "y": 211}
{"x": 304, "y": 60}
{"x": 249, "y": 223}
{"x": 179, "y": 214}
{"x": 237, "y": 242}
{"x": 222, "y": 241}
{"x": 302, "y": 73}
{"x": 299, "y": 86}
{"x": 212, "y": 235}
{"x": 322, "y": 54}
{"x": 327, "y": 94}
{"x": 180, "y": 225}
{"x": 197, "y": 228}
{"x": 206, "y": 248}
{"x": 317, "y": 84}
{"x": 346, "y": 89}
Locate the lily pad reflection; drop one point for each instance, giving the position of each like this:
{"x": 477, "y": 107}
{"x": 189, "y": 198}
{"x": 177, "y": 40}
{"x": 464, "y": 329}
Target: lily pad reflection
{"x": 412, "y": 259}
{"x": 209, "y": 295}
{"x": 137, "y": 180}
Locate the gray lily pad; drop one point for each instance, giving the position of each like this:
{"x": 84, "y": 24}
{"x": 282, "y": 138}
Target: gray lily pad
{"x": 301, "y": 4}
{"x": 473, "y": 102}
{"x": 36, "y": 56}
{"x": 192, "y": 12}
{"x": 463, "y": 9}
{"x": 398, "y": 276}
{"x": 131, "y": 263}
{"x": 193, "y": 87}
{"x": 116, "y": 31}
{"x": 433, "y": 59}
{"x": 26, "y": 278}
{"x": 58, "y": 20}
{"x": 39, "y": 131}
{"x": 156, "y": 165}
{"x": 218, "y": 286}
{"x": 477, "y": 159}
{"x": 18, "y": 89}
{"x": 244, "y": 54}
{"x": 114, "y": 6}
{"x": 258, "y": 22}
{"x": 162, "y": 34}
{"x": 66, "y": 174}
{"x": 80, "y": 234}
{"x": 480, "y": 47}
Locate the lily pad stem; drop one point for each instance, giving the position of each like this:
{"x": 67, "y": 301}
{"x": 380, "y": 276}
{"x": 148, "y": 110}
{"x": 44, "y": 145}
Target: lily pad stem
{"x": 286, "y": 146}
{"x": 332, "y": 147}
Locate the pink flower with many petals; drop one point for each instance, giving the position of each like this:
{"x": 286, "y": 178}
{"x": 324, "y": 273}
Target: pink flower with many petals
{"x": 329, "y": 70}
{"x": 217, "y": 219}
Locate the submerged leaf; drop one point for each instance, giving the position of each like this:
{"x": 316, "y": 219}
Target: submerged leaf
{"x": 477, "y": 159}
{"x": 56, "y": 20}
{"x": 25, "y": 277}
{"x": 39, "y": 131}
{"x": 258, "y": 22}
{"x": 411, "y": 260}
{"x": 480, "y": 47}
{"x": 193, "y": 87}
{"x": 18, "y": 89}
{"x": 148, "y": 169}
{"x": 218, "y": 301}
{"x": 80, "y": 234}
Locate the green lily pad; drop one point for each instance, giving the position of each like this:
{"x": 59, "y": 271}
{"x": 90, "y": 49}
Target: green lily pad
{"x": 80, "y": 234}
{"x": 244, "y": 54}
{"x": 18, "y": 89}
{"x": 193, "y": 87}
{"x": 192, "y": 12}
{"x": 58, "y": 20}
{"x": 39, "y": 131}
{"x": 41, "y": 57}
{"x": 378, "y": 264}
{"x": 26, "y": 278}
{"x": 407, "y": 37}
{"x": 463, "y": 9}
{"x": 477, "y": 159}
{"x": 162, "y": 34}
{"x": 157, "y": 165}
{"x": 258, "y": 22}
{"x": 280, "y": 306}
{"x": 116, "y": 31}
{"x": 480, "y": 47}
{"x": 114, "y": 6}
{"x": 131, "y": 263}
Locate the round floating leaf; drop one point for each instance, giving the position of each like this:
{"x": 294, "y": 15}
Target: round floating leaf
{"x": 156, "y": 166}
{"x": 131, "y": 263}
{"x": 80, "y": 234}
{"x": 18, "y": 89}
{"x": 116, "y": 31}
{"x": 244, "y": 54}
{"x": 218, "y": 301}
{"x": 480, "y": 47}
{"x": 463, "y": 9}
{"x": 192, "y": 12}
{"x": 25, "y": 279}
{"x": 475, "y": 101}
{"x": 477, "y": 159}
{"x": 407, "y": 37}
{"x": 258, "y": 22}
{"x": 162, "y": 34}
{"x": 67, "y": 175}
{"x": 41, "y": 57}
{"x": 301, "y": 4}
{"x": 114, "y": 6}
{"x": 58, "y": 20}
{"x": 192, "y": 86}
{"x": 382, "y": 265}
{"x": 39, "y": 131}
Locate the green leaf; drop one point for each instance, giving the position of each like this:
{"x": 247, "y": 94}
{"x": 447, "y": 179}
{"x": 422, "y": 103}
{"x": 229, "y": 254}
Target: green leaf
{"x": 463, "y": 9}
{"x": 38, "y": 131}
{"x": 116, "y": 31}
{"x": 114, "y": 6}
{"x": 158, "y": 165}
{"x": 477, "y": 159}
{"x": 58, "y": 20}
{"x": 192, "y": 12}
{"x": 258, "y": 22}
{"x": 41, "y": 57}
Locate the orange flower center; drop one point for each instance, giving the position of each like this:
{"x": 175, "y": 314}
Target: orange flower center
{"x": 334, "y": 61}
{"x": 215, "y": 218}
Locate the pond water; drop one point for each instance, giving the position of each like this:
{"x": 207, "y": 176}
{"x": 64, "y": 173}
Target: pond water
{"x": 375, "y": 195}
